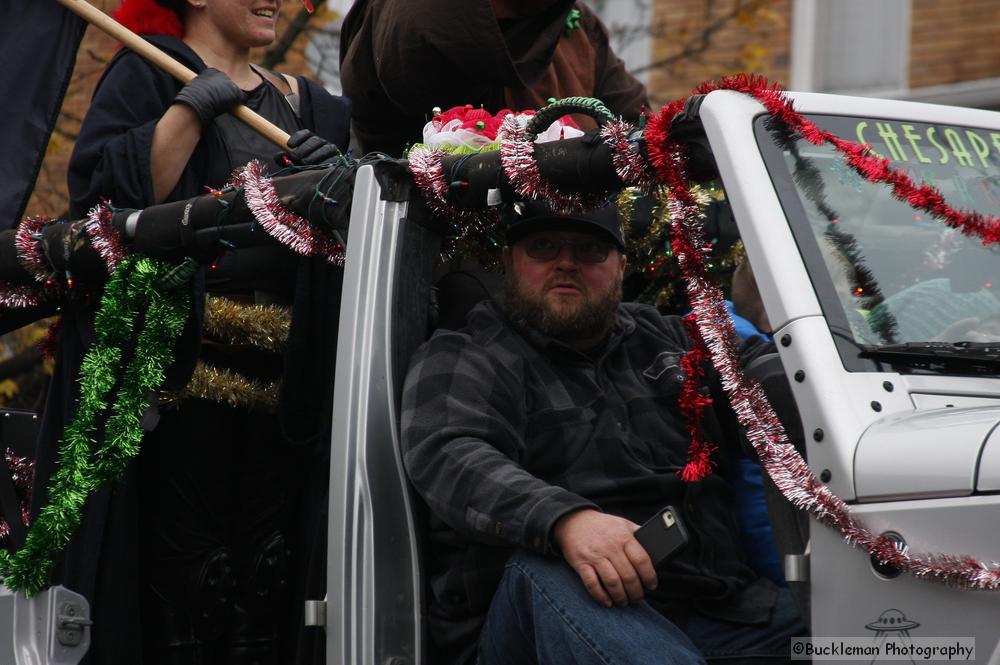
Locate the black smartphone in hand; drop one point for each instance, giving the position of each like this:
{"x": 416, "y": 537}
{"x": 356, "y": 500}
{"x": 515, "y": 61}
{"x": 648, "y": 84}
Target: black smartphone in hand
{"x": 663, "y": 535}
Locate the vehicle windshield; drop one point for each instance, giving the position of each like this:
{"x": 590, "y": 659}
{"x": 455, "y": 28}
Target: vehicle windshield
{"x": 888, "y": 274}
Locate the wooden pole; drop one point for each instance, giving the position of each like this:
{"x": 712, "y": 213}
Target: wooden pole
{"x": 116, "y": 30}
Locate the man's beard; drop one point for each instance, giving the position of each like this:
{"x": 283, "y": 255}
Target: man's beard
{"x": 590, "y": 321}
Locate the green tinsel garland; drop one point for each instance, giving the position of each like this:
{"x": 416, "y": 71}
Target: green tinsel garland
{"x": 132, "y": 297}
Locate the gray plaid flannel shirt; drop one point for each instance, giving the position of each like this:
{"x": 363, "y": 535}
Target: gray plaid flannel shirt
{"x": 506, "y": 431}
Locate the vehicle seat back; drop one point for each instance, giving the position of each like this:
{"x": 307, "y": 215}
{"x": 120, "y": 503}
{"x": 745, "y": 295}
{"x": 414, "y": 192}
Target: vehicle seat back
{"x": 790, "y": 525}
{"x": 461, "y": 287}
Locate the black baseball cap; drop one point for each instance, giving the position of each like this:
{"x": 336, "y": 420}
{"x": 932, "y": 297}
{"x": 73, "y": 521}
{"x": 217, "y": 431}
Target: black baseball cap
{"x": 532, "y": 216}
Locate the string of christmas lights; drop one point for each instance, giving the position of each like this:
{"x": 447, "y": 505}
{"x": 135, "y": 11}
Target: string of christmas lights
{"x": 278, "y": 221}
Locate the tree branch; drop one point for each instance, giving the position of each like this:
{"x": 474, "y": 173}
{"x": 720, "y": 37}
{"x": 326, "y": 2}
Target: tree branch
{"x": 276, "y": 54}
{"x": 699, "y": 44}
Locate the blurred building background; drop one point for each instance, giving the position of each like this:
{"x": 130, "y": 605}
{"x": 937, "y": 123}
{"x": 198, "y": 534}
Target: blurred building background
{"x": 921, "y": 50}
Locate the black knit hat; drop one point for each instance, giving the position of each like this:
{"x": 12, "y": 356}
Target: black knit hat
{"x": 532, "y": 216}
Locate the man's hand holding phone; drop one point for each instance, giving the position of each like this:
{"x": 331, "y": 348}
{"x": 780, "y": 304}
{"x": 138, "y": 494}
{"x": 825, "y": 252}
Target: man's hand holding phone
{"x": 615, "y": 557}
{"x": 603, "y": 551}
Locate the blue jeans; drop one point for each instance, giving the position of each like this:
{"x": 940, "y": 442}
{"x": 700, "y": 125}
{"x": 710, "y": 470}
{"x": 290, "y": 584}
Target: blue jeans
{"x": 728, "y": 643}
{"x": 542, "y": 614}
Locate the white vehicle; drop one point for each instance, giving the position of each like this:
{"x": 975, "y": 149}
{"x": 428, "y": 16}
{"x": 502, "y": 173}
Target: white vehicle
{"x": 888, "y": 332}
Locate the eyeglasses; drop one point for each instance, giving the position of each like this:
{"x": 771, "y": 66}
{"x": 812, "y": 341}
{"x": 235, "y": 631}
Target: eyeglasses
{"x": 584, "y": 251}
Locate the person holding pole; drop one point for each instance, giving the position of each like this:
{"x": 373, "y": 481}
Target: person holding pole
{"x": 189, "y": 558}
{"x": 147, "y": 139}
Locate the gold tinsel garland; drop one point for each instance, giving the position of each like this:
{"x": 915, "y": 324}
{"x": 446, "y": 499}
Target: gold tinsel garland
{"x": 626, "y": 206}
{"x": 652, "y": 252}
{"x": 659, "y": 225}
{"x": 226, "y": 387}
{"x": 263, "y": 326}
{"x": 735, "y": 256}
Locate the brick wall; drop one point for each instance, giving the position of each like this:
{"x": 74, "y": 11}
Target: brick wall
{"x": 950, "y": 42}
{"x": 954, "y": 41}
{"x": 705, "y": 39}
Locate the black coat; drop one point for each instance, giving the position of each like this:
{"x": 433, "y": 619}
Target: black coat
{"x": 400, "y": 58}
{"x": 111, "y": 160}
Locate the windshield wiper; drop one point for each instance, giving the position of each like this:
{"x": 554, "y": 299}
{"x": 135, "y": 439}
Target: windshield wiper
{"x": 964, "y": 353}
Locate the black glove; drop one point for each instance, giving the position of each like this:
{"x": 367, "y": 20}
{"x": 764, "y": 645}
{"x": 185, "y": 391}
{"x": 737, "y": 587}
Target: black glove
{"x": 310, "y": 150}
{"x": 209, "y": 94}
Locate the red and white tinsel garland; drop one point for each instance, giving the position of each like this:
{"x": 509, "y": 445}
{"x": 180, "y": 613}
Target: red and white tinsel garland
{"x": 104, "y": 237}
{"x": 279, "y": 222}
{"x": 857, "y": 155}
{"x": 31, "y": 256}
{"x": 22, "y": 472}
{"x": 16, "y": 296}
{"x": 28, "y": 244}
{"x": 692, "y": 403}
{"x": 428, "y": 174}
{"x": 627, "y": 158}
{"x": 790, "y": 473}
{"x": 517, "y": 159}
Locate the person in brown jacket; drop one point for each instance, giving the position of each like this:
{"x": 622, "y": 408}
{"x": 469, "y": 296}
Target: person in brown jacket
{"x": 400, "y": 59}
